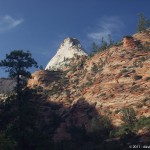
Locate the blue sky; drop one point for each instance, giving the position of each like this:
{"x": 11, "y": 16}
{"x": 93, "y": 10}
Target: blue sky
{"x": 41, "y": 25}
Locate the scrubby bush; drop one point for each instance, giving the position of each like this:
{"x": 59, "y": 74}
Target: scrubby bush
{"x": 118, "y": 43}
{"x": 147, "y": 78}
{"x": 6, "y": 143}
{"x": 140, "y": 105}
{"x": 74, "y": 68}
{"x": 95, "y": 68}
{"x": 143, "y": 59}
{"x": 68, "y": 92}
{"x": 138, "y": 63}
{"x": 124, "y": 71}
{"x": 142, "y": 122}
{"x": 137, "y": 77}
{"x": 120, "y": 131}
{"x": 129, "y": 116}
{"x": 89, "y": 83}
{"x": 143, "y": 23}
{"x": 101, "y": 126}
{"x": 146, "y": 99}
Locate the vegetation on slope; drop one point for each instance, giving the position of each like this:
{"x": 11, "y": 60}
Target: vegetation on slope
{"x": 59, "y": 115}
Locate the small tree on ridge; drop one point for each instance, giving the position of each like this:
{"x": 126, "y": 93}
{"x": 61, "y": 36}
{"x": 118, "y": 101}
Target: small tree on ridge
{"x": 16, "y": 64}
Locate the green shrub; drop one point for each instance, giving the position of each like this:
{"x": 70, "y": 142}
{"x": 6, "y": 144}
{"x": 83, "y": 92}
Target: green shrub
{"x": 74, "y": 68}
{"x": 64, "y": 81}
{"x": 142, "y": 122}
{"x": 143, "y": 59}
{"x": 68, "y": 92}
{"x": 90, "y": 55}
{"x": 7, "y": 143}
{"x": 121, "y": 131}
{"x": 118, "y": 43}
{"x": 139, "y": 105}
{"x": 89, "y": 83}
{"x": 101, "y": 124}
{"x": 82, "y": 87}
{"x": 95, "y": 68}
{"x": 147, "y": 78}
{"x": 136, "y": 88}
{"x": 55, "y": 89}
{"x": 143, "y": 23}
{"x": 81, "y": 99}
{"x": 117, "y": 111}
{"x": 124, "y": 71}
{"x": 69, "y": 101}
{"x": 146, "y": 48}
{"x": 129, "y": 116}
{"x": 146, "y": 99}
{"x": 138, "y": 63}
{"x": 128, "y": 36}
{"x": 137, "y": 77}
{"x": 76, "y": 81}
{"x": 131, "y": 124}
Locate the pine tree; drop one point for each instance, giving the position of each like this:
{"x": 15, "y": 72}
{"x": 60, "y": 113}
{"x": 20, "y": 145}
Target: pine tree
{"x": 103, "y": 44}
{"x": 17, "y": 63}
{"x": 143, "y": 23}
{"x": 111, "y": 42}
{"x": 95, "y": 47}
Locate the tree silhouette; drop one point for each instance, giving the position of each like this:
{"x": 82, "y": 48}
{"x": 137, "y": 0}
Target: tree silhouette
{"x": 143, "y": 23}
{"x": 17, "y": 63}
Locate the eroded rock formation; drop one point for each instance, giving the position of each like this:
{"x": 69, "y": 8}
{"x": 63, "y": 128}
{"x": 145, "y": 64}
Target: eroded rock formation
{"x": 68, "y": 49}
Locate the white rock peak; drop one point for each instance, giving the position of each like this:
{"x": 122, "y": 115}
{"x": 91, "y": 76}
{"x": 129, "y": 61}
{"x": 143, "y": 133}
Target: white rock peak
{"x": 67, "y": 50}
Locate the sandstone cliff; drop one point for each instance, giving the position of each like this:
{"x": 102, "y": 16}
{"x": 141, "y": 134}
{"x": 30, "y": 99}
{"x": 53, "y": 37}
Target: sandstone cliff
{"x": 109, "y": 81}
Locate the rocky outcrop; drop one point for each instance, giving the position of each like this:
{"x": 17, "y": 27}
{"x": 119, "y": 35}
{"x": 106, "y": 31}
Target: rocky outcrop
{"x": 43, "y": 78}
{"x": 143, "y": 38}
{"x": 129, "y": 42}
{"x": 68, "y": 49}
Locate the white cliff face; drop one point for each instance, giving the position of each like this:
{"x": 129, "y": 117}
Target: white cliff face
{"x": 68, "y": 49}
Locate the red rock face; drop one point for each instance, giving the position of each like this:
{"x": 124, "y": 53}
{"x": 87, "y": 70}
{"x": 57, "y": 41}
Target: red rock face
{"x": 109, "y": 81}
{"x": 42, "y": 78}
{"x": 144, "y": 38}
{"x": 129, "y": 42}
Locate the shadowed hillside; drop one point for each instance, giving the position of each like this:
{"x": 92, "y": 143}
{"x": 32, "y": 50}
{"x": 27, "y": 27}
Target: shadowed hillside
{"x": 49, "y": 125}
